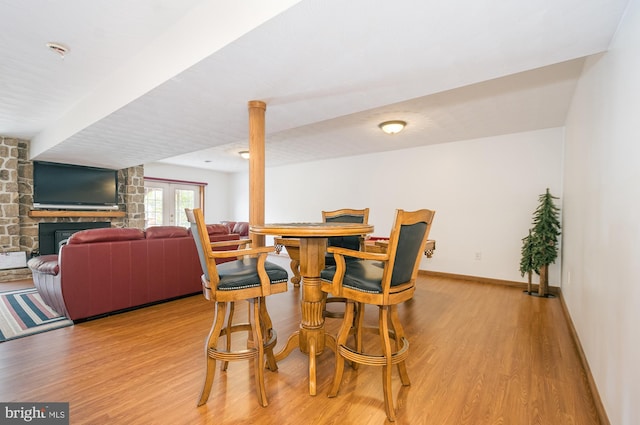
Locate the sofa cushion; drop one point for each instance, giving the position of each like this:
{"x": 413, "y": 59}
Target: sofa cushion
{"x": 241, "y": 228}
{"x": 229, "y": 225}
{"x": 46, "y": 264}
{"x": 229, "y": 237}
{"x": 158, "y": 232}
{"x": 217, "y": 229}
{"x": 106, "y": 235}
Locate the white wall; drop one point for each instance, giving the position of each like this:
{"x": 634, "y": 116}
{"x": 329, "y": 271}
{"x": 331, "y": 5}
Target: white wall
{"x": 484, "y": 192}
{"x": 601, "y": 266}
{"x": 218, "y": 204}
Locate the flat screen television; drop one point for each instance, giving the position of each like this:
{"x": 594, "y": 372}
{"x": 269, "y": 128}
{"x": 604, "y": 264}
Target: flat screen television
{"x": 68, "y": 186}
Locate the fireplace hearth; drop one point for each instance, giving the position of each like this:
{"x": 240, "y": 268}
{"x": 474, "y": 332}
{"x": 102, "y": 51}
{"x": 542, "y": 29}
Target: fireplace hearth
{"x": 51, "y": 234}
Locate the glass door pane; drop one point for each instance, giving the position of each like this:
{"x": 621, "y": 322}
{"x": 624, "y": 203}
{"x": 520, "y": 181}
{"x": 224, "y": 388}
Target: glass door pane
{"x": 165, "y": 202}
{"x": 183, "y": 198}
{"x": 153, "y": 206}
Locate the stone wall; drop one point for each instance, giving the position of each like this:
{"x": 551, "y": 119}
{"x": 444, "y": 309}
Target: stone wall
{"x": 9, "y": 211}
{"x": 131, "y": 189}
{"x": 19, "y": 231}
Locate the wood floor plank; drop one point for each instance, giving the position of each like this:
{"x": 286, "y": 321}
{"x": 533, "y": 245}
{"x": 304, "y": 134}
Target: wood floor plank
{"x": 479, "y": 354}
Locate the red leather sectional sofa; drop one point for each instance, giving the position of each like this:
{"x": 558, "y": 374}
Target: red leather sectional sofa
{"x": 102, "y": 271}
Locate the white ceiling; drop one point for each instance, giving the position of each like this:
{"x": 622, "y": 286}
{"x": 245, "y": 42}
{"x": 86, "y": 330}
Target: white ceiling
{"x": 169, "y": 80}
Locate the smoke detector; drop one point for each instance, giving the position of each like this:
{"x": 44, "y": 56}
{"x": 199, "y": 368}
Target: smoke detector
{"x": 58, "y": 48}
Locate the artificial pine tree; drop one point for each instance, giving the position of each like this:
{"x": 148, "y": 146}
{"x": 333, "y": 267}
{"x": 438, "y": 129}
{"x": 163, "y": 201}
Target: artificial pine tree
{"x": 544, "y": 239}
{"x": 526, "y": 262}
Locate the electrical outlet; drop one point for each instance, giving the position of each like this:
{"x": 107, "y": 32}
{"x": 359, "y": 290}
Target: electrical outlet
{"x": 478, "y": 256}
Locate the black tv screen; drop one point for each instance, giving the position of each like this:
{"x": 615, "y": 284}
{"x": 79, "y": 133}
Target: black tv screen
{"x": 73, "y": 186}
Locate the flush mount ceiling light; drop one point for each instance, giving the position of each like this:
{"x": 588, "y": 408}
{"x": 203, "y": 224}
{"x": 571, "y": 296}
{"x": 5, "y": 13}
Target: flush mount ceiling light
{"x": 392, "y": 127}
{"x": 244, "y": 154}
{"x": 58, "y": 48}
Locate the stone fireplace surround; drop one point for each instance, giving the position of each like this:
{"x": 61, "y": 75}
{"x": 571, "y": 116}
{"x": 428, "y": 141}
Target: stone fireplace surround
{"x": 19, "y": 222}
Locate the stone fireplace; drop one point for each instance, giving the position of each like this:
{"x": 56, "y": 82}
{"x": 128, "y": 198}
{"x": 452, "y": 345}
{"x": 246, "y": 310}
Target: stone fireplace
{"x": 19, "y": 222}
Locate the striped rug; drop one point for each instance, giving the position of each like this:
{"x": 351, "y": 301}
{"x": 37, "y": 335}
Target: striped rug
{"x": 23, "y": 313}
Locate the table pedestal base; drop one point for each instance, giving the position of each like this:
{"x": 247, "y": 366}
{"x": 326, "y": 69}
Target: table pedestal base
{"x": 311, "y": 337}
{"x": 313, "y": 347}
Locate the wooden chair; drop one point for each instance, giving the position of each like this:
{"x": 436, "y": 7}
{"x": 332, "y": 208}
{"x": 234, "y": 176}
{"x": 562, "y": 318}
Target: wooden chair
{"x": 250, "y": 277}
{"x": 345, "y": 215}
{"x": 384, "y": 279}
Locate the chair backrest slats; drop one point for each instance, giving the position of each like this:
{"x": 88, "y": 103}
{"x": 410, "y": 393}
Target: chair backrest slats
{"x": 200, "y": 249}
{"x": 406, "y": 242}
{"x": 408, "y": 251}
{"x": 346, "y": 215}
{"x": 203, "y": 243}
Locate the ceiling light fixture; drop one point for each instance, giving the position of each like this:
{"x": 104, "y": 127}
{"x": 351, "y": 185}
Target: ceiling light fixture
{"x": 392, "y": 127}
{"x": 58, "y": 48}
{"x": 244, "y": 154}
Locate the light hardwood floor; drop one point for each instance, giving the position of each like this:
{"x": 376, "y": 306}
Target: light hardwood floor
{"x": 480, "y": 354}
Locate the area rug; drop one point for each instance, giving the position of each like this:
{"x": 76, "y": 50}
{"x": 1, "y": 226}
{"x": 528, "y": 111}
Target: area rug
{"x": 23, "y": 313}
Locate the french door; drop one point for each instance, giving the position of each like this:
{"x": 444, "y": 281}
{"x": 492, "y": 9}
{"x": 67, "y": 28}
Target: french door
{"x": 165, "y": 201}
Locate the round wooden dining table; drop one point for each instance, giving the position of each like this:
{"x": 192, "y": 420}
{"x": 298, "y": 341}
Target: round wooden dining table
{"x": 311, "y": 337}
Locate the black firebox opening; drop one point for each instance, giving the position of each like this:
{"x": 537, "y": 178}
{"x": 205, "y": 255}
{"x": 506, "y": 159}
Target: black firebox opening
{"x": 51, "y": 234}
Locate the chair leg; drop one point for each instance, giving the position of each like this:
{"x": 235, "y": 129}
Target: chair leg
{"x": 356, "y": 328}
{"x": 212, "y": 343}
{"x": 265, "y": 318}
{"x": 232, "y": 308}
{"x": 256, "y": 328}
{"x": 400, "y": 336}
{"x": 358, "y": 324}
{"x": 267, "y": 332}
{"x": 383, "y": 323}
{"x": 332, "y": 314}
{"x": 343, "y": 334}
